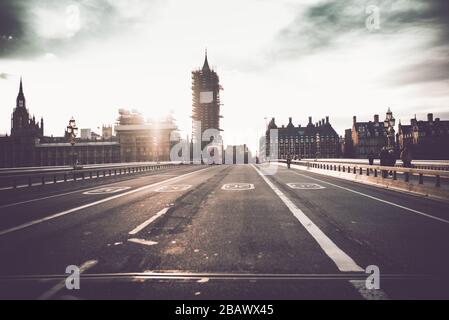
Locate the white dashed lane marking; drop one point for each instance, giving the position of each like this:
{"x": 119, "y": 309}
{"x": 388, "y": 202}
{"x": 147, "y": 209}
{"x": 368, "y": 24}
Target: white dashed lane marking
{"x": 143, "y": 241}
{"x": 148, "y": 222}
{"x": 123, "y": 194}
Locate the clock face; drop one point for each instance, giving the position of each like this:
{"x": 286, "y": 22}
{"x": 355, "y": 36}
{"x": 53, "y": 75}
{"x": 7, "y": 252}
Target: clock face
{"x": 206, "y": 97}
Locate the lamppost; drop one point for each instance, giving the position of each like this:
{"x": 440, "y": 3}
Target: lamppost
{"x": 389, "y": 123}
{"x": 72, "y": 131}
{"x": 156, "y": 148}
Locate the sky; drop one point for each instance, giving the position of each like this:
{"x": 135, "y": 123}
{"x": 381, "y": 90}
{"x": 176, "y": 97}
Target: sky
{"x": 275, "y": 58}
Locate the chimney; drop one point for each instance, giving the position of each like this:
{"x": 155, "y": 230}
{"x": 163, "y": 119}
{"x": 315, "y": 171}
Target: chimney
{"x": 376, "y": 118}
{"x": 310, "y": 120}
{"x": 322, "y": 121}
{"x": 354, "y": 119}
{"x": 319, "y": 123}
{"x": 327, "y": 119}
{"x": 290, "y": 120}
{"x": 430, "y": 117}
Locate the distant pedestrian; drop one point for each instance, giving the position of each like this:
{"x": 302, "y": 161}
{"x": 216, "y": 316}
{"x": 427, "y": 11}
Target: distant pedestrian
{"x": 371, "y": 158}
{"x": 406, "y": 157}
{"x": 384, "y": 160}
{"x": 383, "y": 156}
{"x": 391, "y": 158}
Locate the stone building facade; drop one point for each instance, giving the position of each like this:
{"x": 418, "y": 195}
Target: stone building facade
{"x": 317, "y": 140}
{"x": 366, "y": 137}
{"x": 142, "y": 140}
{"x": 427, "y": 140}
{"x": 136, "y": 140}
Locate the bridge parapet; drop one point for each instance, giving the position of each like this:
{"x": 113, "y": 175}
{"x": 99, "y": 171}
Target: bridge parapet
{"x": 26, "y": 177}
{"x": 427, "y": 182}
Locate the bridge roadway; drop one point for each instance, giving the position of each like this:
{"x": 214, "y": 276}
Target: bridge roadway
{"x": 228, "y": 231}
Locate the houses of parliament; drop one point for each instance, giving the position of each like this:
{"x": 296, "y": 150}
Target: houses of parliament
{"x": 136, "y": 139}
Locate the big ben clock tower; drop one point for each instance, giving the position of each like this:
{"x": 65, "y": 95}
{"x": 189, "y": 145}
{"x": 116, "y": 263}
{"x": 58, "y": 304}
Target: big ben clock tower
{"x": 205, "y": 102}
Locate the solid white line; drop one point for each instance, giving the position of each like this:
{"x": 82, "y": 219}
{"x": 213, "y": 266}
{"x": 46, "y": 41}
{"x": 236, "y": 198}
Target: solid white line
{"x": 378, "y": 199}
{"x": 146, "y": 223}
{"x": 45, "y": 198}
{"x": 338, "y": 256}
{"x": 67, "y": 193}
{"x": 61, "y": 285}
{"x": 63, "y": 213}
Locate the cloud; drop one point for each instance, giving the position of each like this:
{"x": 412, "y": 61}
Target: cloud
{"x": 11, "y": 26}
{"x": 429, "y": 70}
{"x": 322, "y": 25}
{"x": 33, "y": 28}
{"x": 5, "y": 76}
{"x": 339, "y": 24}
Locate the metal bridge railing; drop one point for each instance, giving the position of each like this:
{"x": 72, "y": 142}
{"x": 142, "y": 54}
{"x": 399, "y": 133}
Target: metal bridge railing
{"x": 14, "y": 178}
{"x": 408, "y": 175}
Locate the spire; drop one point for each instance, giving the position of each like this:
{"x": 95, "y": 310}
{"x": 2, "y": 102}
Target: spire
{"x": 21, "y": 96}
{"x": 21, "y": 87}
{"x": 206, "y": 64}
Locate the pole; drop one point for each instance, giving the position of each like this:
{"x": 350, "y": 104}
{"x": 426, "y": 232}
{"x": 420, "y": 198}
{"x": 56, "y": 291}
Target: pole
{"x": 73, "y": 154}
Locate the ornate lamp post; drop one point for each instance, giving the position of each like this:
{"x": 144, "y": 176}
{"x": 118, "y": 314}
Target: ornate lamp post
{"x": 389, "y": 123}
{"x": 72, "y": 131}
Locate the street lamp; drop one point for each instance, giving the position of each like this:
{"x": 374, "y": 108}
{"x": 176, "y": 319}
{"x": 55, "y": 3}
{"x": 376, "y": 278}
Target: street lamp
{"x": 72, "y": 131}
{"x": 389, "y": 123}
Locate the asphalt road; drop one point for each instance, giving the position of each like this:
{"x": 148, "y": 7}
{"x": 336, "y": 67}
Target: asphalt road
{"x": 231, "y": 232}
